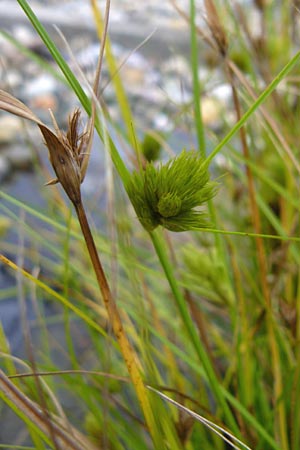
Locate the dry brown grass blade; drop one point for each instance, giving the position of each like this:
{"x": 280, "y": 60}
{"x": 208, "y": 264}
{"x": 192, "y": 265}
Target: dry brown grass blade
{"x": 12, "y": 105}
{"x": 32, "y": 411}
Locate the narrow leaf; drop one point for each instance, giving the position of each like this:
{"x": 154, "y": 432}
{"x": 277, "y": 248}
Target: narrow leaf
{"x": 12, "y": 105}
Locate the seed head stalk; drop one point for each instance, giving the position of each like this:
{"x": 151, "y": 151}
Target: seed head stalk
{"x": 116, "y": 321}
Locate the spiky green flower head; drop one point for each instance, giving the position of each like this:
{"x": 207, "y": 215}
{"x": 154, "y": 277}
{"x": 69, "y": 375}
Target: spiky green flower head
{"x": 172, "y": 194}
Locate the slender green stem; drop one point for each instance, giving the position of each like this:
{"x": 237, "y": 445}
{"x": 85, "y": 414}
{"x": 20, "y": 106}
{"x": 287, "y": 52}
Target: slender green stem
{"x": 129, "y": 355}
{"x": 160, "y": 248}
{"x": 196, "y": 86}
{"x": 200, "y": 132}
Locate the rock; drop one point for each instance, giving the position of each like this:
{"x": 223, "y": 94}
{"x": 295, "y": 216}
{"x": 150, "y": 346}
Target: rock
{"x": 45, "y": 102}
{"x": 162, "y": 122}
{"x": 211, "y": 110}
{"x": 176, "y": 92}
{"x": 13, "y": 79}
{"x": 25, "y": 35}
{"x": 5, "y": 168}
{"x": 20, "y": 157}
{"x": 9, "y": 53}
{"x": 222, "y": 92}
{"x": 42, "y": 84}
{"x": 10, "y": 127}
{"x": 177, "y": 65}
{"x": 132, "y": 77}
{"x": 86, "y": 57}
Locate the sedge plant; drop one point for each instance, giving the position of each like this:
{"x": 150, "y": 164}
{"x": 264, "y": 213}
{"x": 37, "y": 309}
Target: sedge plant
{"x": 206, "y": 318}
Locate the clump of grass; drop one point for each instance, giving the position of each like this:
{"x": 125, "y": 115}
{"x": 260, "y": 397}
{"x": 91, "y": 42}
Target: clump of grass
{"x": 204, "y": 323}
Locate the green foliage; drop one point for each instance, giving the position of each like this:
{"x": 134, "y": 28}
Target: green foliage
{"x": 4, "y": 225}
{"x": 169, "y": 194}
{"x": 208, "y": 271}
{"x": 241, "y": 59}
{"x": 151, "y": 147}
{"x": 214, "y": 316}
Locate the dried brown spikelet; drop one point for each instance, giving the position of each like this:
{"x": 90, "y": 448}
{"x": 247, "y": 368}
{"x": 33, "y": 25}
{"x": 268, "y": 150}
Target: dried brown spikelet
{"x": 216, "y": 27}
{"x": 260, "y": 4}
{"x": 65, "y": 162}
{"x": 68, "y": 152}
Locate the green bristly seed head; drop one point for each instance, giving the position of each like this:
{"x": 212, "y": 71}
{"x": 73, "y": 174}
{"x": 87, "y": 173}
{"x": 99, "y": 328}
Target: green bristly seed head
{"x": 169, "y": 204}
{"x": 170, "y": 195}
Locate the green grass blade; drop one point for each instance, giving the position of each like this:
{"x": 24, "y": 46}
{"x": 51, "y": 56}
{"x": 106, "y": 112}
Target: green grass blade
{"x": 190, "y": 330}
{"x": 75, "y": 86}
{"x": 261, "y": 99}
